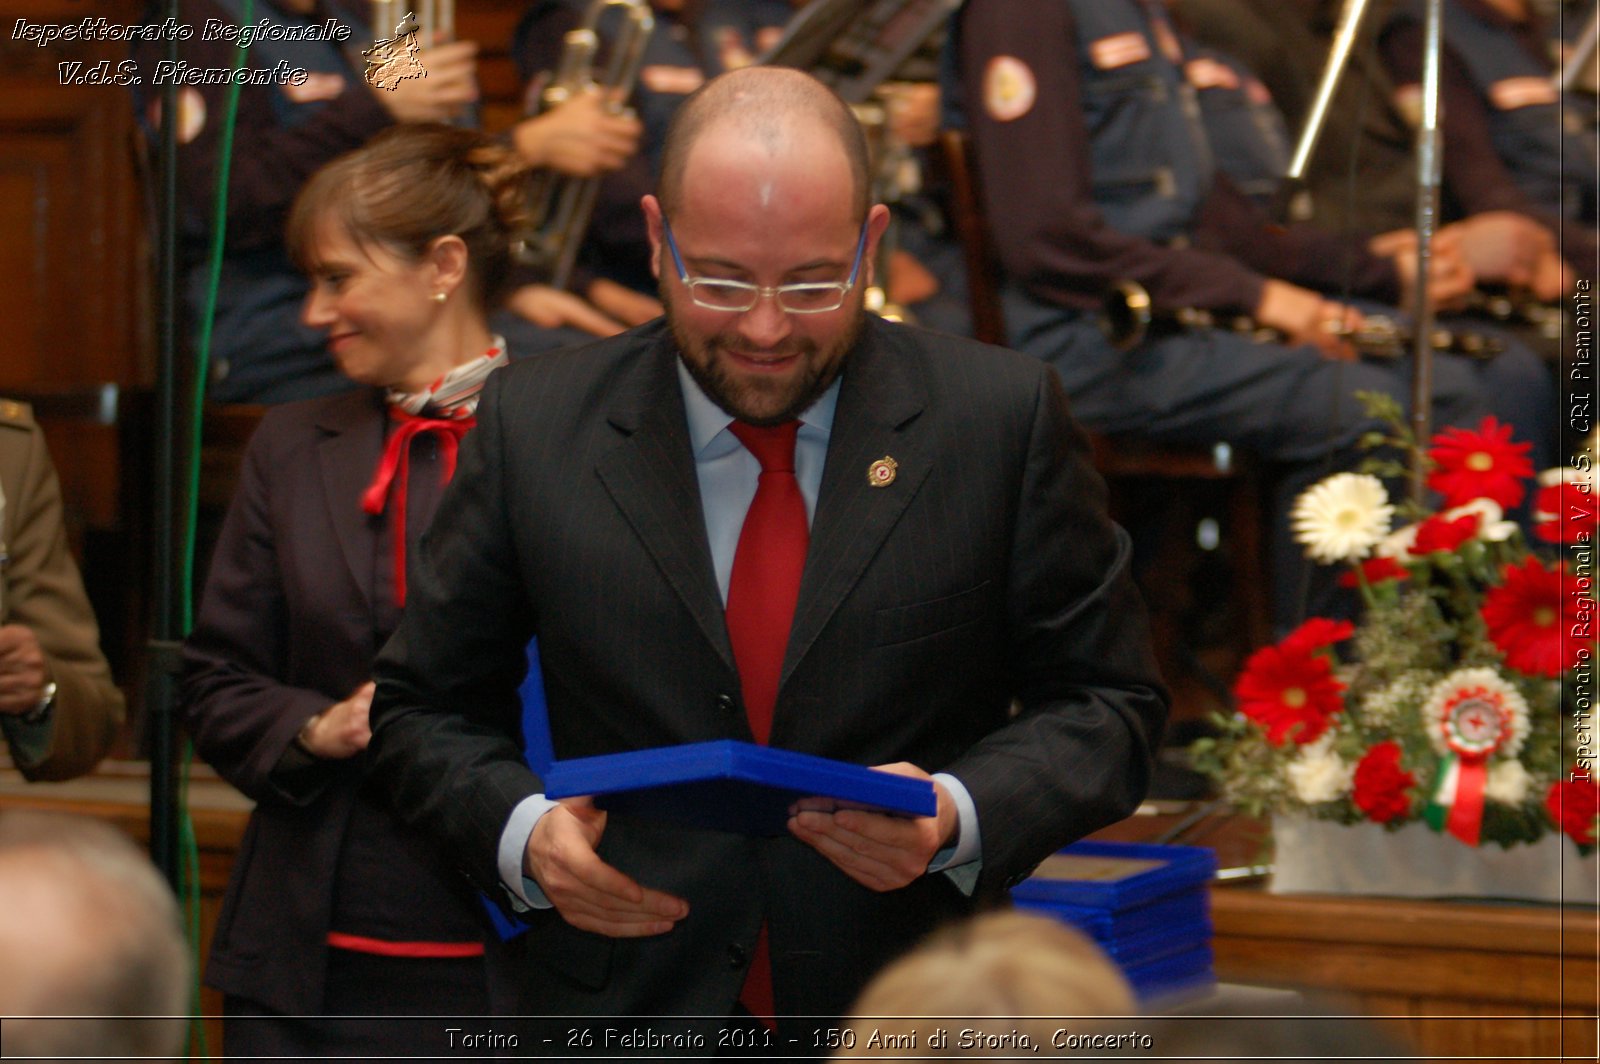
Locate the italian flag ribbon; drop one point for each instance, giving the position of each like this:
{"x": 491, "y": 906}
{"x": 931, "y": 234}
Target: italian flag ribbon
{"x": 1472, "y": 723}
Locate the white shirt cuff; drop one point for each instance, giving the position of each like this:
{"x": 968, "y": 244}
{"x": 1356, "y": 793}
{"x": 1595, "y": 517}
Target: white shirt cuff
{"x": 525, "y": 892}
{"x": 961, "y": 861}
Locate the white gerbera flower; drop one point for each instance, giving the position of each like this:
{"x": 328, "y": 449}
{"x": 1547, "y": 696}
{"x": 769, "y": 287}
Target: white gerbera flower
{"x": 1508, "y": 783}
{"x": 1342, "y": 517}
{"x": 1318, "y": 774}
{"x": 1475, "y": 713}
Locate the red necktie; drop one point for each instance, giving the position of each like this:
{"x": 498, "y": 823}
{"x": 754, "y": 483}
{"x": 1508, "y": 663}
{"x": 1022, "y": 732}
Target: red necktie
{"x": 394, "y": 471}
{"x": 762, "y": 590}
{"x": 765, "y": 582}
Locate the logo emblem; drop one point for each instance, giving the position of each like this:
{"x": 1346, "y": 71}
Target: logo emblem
{"x": 880, "y": 474}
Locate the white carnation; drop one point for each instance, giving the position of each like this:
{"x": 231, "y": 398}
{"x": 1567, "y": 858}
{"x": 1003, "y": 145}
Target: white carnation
{"x": 1508, "y": 783}
{"x": 1320, "y": 775}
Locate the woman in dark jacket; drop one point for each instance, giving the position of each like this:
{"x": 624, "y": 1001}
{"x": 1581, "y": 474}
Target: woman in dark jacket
{"x": 334, "y": 909}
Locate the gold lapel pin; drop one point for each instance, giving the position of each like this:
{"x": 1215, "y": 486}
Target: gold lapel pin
{"x": 880, "y": 474}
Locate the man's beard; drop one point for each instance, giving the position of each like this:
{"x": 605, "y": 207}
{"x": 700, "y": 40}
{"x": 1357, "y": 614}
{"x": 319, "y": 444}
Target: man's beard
{"x": 746, "y": 399}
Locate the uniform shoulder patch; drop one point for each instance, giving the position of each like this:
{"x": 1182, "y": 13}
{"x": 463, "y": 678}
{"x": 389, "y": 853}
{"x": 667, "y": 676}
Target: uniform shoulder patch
{"x": 1009, "y": 88}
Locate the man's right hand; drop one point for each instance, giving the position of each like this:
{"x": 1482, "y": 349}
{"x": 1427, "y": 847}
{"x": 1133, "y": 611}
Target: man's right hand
{"x": 444, "y": 95}
{"x": 1304, "y": 317}
{"x": 588, "y": 893}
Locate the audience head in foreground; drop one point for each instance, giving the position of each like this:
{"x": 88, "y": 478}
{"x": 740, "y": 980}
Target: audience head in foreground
{"x": 89, "y": 934}
{"x": 1034, "y": 972}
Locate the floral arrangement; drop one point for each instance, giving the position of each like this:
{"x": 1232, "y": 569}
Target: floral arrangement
{"x": 1462, "y": 696}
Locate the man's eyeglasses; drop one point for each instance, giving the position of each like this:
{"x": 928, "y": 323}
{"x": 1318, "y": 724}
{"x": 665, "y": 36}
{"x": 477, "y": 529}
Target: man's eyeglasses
{"x": 736, "y": 297}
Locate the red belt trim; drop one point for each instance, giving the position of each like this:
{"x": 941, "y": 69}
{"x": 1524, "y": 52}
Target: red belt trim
{"x": 362, "y": 944}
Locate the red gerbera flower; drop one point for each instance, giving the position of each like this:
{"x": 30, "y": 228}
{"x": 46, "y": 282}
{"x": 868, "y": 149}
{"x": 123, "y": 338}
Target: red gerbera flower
{"x": 1531, "y": 618}
{"x": 1317, "y": 633}
{"x": 1564, "y": 512}
{"x": 1479, "y": 465}
{"x": 1289, "y": 691}
{"x": 1376, "y": 570}
{"x": 1441, "y": 533}
{"x": 1575, "y": 806}
{"x": 1380, "y": 784}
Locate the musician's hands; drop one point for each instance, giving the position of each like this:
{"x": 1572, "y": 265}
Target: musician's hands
{"x": 23, "y": 673}
{"x": 1503, "y": 247}
{"x": 878, "y": 851}
{"x": 1450, "y": 275}
{"x": 552, "y": 308}
{"x": 445, "y": 94}
{"x": 1552, "y": 279}
{"x": 623, "y": 303}
{"x": 1304, "y": 317}
{"x": 581, "y": 137}
{"x": 343, "y": 729}
{"x": 588, "y": 893}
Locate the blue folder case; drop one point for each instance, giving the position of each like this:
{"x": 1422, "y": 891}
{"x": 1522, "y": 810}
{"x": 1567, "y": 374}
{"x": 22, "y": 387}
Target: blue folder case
{"x": 1182, "y": 973}
{"x": 1116, "y": 875}
{"x": 1188, "y": 909}
{"x": 732, "y": 786}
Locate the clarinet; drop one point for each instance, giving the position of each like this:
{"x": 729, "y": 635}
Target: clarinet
{"x": 1127, "y": 318}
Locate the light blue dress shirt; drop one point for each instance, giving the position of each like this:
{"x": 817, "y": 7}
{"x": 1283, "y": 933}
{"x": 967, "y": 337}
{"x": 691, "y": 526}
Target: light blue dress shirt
{"x": 727, "y": 473}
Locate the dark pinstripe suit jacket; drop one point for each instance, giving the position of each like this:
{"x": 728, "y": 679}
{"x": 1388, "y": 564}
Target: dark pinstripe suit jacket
{"x": 986, "y": 572}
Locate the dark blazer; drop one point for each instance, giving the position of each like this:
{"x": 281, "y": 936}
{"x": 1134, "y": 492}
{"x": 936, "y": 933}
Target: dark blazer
{"x": 986, "y": 572}
{"x": 288, "y": 625}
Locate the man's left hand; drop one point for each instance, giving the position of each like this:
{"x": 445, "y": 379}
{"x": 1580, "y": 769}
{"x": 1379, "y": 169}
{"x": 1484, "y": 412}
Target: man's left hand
{"x": 22, "y": 670}
{"x": 878, "y": 851}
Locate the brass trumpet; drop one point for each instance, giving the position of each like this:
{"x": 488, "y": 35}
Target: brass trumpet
{"x": 560, "y": 207}
{"x": 1127, "y": 317}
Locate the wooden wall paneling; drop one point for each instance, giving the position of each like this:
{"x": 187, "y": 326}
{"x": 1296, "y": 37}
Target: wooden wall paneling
{"x": 1498, "y": 982}
{"x": 74, "y": 279}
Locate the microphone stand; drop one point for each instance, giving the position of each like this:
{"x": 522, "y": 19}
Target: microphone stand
{"x": 1428, "y": 172}
{"x": 1429, "y": 164}
{"x": 160, "y": 683}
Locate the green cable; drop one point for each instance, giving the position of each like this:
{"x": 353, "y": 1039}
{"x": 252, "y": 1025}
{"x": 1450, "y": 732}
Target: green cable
{"x": 202, "y": 372}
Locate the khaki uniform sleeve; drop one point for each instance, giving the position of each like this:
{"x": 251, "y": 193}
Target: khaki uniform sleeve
{"x": 42, "y": 589}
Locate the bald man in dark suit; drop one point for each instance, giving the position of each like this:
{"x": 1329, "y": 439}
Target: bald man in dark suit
{"x": 964, "y": 610}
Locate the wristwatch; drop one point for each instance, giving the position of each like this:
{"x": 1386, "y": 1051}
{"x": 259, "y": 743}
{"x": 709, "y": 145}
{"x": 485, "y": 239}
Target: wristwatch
{"x": 47, "y": 701}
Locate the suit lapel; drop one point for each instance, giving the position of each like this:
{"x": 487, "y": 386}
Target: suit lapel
{"x": 651, "y": 478}
{"x": 877, "y": 417}
{"x": 348, "y": 454}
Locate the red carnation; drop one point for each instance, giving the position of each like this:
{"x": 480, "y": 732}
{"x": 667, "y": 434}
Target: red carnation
{"x": 1289, "y": 691}
{"x": 1375, "y": 570}
{"x": 1479, "y": 465}
{"x": 1317, "y": 633}
{"x": 1443, "y": 533}
{"x": 1531, "y": 618}
{"x": 1381, "y": 784}
{"x": 1575, "y": 806}
{"x": 1564, "y": 512}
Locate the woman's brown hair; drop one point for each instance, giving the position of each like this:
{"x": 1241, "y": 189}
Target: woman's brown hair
{"x": 412, "y": 184}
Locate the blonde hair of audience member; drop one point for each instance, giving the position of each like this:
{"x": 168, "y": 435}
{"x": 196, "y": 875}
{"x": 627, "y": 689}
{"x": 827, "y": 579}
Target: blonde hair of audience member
{"x": 1000, "y": 964}
{"x": 89, "y": 931}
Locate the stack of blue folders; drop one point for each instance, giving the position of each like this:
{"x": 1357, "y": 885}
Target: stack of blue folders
{"x": 1147, "y": 907}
